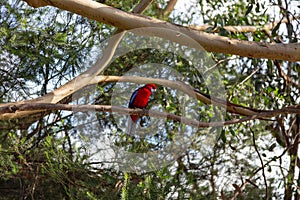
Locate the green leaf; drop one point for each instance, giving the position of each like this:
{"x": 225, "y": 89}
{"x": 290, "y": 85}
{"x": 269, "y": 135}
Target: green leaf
{"x": 223, "y": 136}
{"x": 249, "y": 9}
{"x": 232, "y": 132}
{"x": 257, "y": 8}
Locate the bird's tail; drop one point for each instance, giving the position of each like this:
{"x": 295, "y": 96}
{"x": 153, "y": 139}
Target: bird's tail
{"x": 131, "y": 126}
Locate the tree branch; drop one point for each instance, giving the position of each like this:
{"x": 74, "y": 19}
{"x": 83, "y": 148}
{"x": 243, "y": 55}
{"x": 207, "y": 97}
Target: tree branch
{"x": 169, "y": 8}
{"x": 286, "y": 78}
{"x": 248, "y": 180}
{"x": 187, "y": 89}
{"x": 141, "y": 6}
{"x": 15, "y": 108}
{"x": 262, "y": 164}
{"x": 267, "y": 27}
{"x": 210, "y": 42}
{"x": 181, "y": 86}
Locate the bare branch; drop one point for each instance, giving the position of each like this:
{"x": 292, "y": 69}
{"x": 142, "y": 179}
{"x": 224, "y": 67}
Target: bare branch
{"x": 210, "y": 42}
{"x": 15, "y": 108}
{"x": 248, "y": 180}
{"x": 262, "y": 164}
{"x": 170, "y": 6}
{"x": 268, "y": 27}
{"x": 141, "y": 6}
{"x": 187, "y": 89}
{"x": 286, "y": 78}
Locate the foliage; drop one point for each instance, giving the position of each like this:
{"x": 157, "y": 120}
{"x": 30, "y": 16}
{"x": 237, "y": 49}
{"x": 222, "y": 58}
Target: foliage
{"x": 49, "y": 156}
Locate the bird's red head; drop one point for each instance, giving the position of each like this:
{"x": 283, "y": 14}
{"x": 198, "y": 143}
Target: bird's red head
{"x": 151, "y": 86}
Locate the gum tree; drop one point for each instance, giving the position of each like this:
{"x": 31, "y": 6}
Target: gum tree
{"x": 47, "y": 51}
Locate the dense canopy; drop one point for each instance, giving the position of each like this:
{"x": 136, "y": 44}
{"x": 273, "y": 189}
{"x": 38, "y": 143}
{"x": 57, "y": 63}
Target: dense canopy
{"x": 223, "y": 123}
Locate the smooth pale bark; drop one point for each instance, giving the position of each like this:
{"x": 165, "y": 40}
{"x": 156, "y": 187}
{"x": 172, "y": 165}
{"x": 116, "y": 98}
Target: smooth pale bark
{"x": 9, "y": 111}
{"x": 210, "y": 42}
{"x": 267, "y": 28}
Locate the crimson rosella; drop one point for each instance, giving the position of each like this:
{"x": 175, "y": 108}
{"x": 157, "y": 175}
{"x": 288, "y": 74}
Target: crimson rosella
{"x": 139, "y": 99}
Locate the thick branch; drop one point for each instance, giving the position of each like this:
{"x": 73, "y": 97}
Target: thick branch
{"x": 187, "y": 89}
{"x": 128, "y": 21}
{"x": 181, "y": 86}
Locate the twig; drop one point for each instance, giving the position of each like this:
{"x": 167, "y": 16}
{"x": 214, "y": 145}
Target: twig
{"x": 126, "y": 111}
{"x": 261, "y": 162}
{"x": 216, "y": 65}
{"x": 236, "y": 193}
{"x": 286, "y": 78}
{"x": 241, "y": 29}
{"x": 247, "y": 78}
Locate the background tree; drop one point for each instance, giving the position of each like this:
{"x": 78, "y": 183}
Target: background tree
{"x": 44, "y": 156}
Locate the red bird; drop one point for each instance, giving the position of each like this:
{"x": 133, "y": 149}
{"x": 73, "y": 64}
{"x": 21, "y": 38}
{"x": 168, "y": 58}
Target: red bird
{"x": 139, "y": 99}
